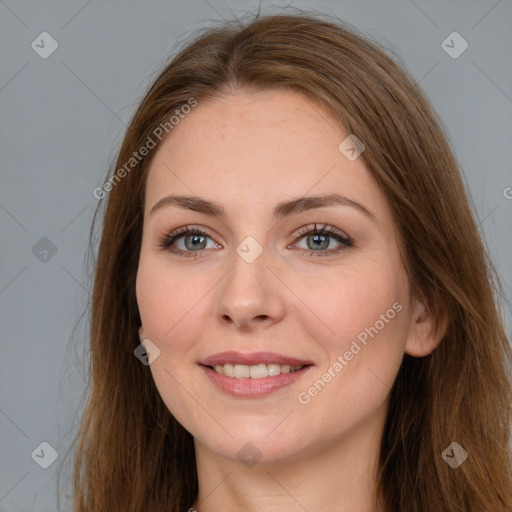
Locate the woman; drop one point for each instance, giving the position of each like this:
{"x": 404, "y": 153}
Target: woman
{"x": 292, "y": 307}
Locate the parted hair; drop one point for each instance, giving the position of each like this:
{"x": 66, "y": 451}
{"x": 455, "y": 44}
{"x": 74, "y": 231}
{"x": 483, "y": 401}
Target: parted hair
{"x": 131, "y": 455}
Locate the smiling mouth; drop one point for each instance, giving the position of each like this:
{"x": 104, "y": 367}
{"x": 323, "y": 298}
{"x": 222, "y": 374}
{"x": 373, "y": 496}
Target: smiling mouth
{"x": 258, "y": 371}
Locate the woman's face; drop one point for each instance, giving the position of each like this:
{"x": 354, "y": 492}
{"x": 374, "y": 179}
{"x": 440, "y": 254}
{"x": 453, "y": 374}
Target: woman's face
{"x": 259, "y": 292}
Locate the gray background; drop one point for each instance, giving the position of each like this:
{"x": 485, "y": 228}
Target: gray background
{"x": 62, "y": 120}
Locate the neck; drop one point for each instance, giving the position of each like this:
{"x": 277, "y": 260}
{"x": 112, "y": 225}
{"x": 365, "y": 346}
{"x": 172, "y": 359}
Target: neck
{"x": 339, "y": 474}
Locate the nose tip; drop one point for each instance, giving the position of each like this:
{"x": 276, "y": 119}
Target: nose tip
{"x": 244, "y": 320}
{"x": 250, "y": 295}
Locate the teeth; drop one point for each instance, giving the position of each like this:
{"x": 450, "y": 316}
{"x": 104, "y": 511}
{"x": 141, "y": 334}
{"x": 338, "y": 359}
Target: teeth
{"x": 242, "y": 371}
{"x": 256, "y": 372}
{"x": 259, "y": 371}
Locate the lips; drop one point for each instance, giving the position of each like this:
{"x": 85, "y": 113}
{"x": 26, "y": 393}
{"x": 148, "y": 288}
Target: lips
{"x": 253, "y": 359}
{"x": 253, "y": 375}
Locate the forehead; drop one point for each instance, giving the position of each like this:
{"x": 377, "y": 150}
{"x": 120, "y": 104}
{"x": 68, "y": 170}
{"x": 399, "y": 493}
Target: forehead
{"x": 258, "y": 148}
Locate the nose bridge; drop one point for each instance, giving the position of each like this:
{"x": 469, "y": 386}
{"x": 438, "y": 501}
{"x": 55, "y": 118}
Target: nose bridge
{"x": 249, "y": 290}
{"x": 248, "y": 278}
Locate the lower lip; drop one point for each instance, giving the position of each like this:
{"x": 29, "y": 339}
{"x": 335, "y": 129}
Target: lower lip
{"x": 253, "y": 388}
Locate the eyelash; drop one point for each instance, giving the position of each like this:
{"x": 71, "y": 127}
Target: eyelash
{"x": 346, "y": 242}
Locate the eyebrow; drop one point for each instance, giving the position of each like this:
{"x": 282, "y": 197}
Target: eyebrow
{"x": 283, "y": 209}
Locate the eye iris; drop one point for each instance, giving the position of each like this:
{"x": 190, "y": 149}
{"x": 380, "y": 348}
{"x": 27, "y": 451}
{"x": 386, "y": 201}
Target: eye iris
{"x": 320, "y": 238}
{"x": 196, "y": 241}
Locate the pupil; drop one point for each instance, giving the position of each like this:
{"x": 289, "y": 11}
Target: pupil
{"x": 196, "y": 239}
{"x": 319, "y": 238}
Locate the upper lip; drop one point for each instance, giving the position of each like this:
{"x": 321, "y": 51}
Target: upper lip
{"x": 252, "y": 359}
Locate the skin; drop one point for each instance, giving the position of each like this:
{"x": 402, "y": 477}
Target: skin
{"x": 249, "y": 151}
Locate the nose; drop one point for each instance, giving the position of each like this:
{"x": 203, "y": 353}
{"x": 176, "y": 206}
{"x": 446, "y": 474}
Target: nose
{"x": 250, "y": 295}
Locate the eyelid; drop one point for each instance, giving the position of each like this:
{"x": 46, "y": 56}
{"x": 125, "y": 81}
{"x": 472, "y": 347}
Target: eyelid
{"x": 324, "y": 227}
{"x": 345, "y": 241}
{"x": 170, "y": 237}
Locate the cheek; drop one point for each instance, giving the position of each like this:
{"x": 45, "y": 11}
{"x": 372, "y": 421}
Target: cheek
{"x": 352, "y": 301}
{"x": 166, "y": 305}
{"x": 363, "y": 330}
{"x": 166, "y": 302}
{"x": 172, "y": 307}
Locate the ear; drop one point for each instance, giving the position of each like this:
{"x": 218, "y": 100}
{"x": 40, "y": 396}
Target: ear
{"x": 423, "y": 337}
{"x": 142, "y": 335}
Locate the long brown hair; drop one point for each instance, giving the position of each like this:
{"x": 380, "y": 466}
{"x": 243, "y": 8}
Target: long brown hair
{"x": 132, "y": 455}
